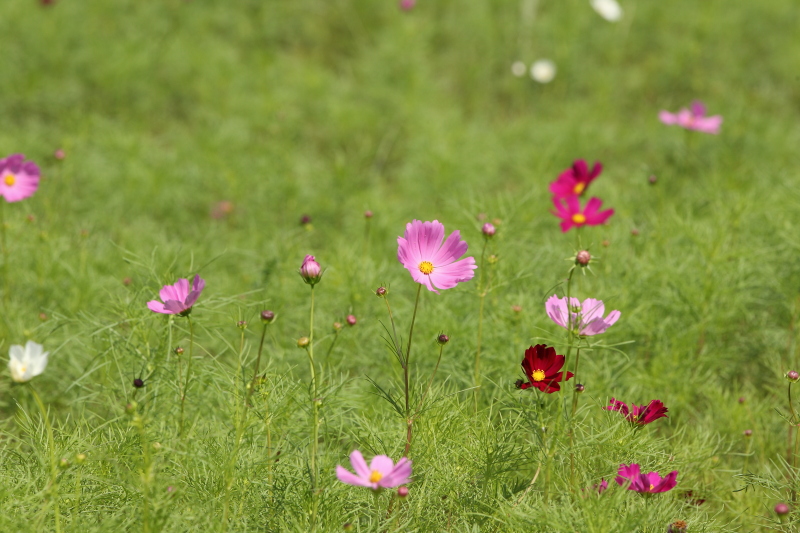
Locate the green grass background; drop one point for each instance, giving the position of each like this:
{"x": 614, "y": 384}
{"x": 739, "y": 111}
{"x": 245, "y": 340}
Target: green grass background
{"x": 329, "y": 108}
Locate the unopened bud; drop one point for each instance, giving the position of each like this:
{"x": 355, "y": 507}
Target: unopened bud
{"x": 402, "y": 492}
{"x": 351, "y": 320}
{"x": 42, "y": 317}
{"x": 267, "y": 317}
{"x": 488, "y": 230}
{"x": 242, "y": 324}
{"x": 792, "y": 376}
{"x": 303, "y": 342}
{"x": 652, "y": 179}
{"x": 178, "y": 351}
{"x": 59, "y": 154}
{"x": 80, "y": 458}
{"x": 606, "y": 243}
{"x": 516, "y": 308}
{"x": 442, "y": 339}
{"x": 748, "y": 432}
{"x": 367, "y": 214}
{"x": 781, "y": 509}
{"x": 305, "y": 220}
{"x": 518, "y": 383}
{"x": 381, "y": 292}
{"x": 634, "y": 232}
{"x": 580, "y": 387}
{"x": 310, "y": 270}
{"x": 131, "y": 408}
{"x": 741, "y": 399}
{"x": 337, "y": 326}
{"x": 492, "y": 259}
{"x": 678, "y": 526}
{"x": 63, "y": 464}
{"x": 138, "y": 383}
{"x": 348, "y": 526}
{"x": 583, "y": 258}
{"x": 156, "y": 446}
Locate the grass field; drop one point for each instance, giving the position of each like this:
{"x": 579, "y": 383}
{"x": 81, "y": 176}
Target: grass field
{"x": 327, "y": 109}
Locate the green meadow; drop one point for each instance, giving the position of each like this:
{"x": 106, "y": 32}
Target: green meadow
{"x": 198, "y": 133}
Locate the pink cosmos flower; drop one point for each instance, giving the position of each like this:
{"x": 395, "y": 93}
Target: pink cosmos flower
{"x": 587, "y": 317}
{"x": 575, "y": 179}
{"x": 569, "y": 211}
{"x": 19, "y": 179}
{"x": 639, "y": 414}
{"x": 693, "y": 119}
{"x": 381, "y": 473}
{"x": 407, "y": 5}
{"x": 601, "y": 487}
{"x": 650, "y": 483}
{"x": 432, "y": 262}
{"x": 177, "y": 298}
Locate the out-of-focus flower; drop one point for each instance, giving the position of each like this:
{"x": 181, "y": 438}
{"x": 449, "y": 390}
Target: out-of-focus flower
{"x": 781, "y": 509}
{"x": 542, "y": 366}
{"x": 407, "y": 5}
{"x": 381, "y": 473}
{"x": 639, "y": 414}
{"x": 351, "y": 320}
{"x": 543, "y": 71}
{"x": 19, "y": 179}
{"x": 310, "y": 270}
{"x": 575, "y": 180}
{"x": 28, "y": 362}
{"x": 693, "y": 119}
{"x": 608, "y": 9}
{"x": 178, "y": 299}
{"x": 60, "y": 154}
{"x": 650, "y": 483}
{"x": 586, "y": 317}
{"x": 571, "y": 215}
{"x": 432, "y": 261}
{"x": 518, "y": 69}
{"x": 601, "y": 487}
{"x": 221, "y": 209}
{"x": 488, "y": 230}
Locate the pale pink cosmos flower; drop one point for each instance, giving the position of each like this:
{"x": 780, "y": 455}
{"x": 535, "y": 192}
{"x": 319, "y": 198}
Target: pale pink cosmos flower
{"x": 381, "y": 473}
{"x": 19, "y": 179}
{"x": 586, "y": 317}
{"x": 432, "y": 262}
{"x": 693, "y": 119}
{"x": 177, "y": 299}
{"x": 407, "y": 5}
{"x": 571, "y": 215}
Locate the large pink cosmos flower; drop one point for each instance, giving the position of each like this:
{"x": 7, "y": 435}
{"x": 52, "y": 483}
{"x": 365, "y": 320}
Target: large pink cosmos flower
{"x": 19, "y": 179}
{"x": 432, "y": 262}
{"x": 649, "y": 483}
{"x": 381, "y": 473}
{"x": 575, "y": 179}
{"x": 586, "y": 317}
{"x": 639, "y": 414}
{"x": 177, "y": 298}
{"x": 571, "y": 215}
{"x": 693, "y": 119}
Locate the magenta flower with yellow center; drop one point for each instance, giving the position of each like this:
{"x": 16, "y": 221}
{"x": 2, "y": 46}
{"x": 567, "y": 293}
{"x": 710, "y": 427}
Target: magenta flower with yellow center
{"x": 651, "y": 483}
{"x": 432, "y": 260}
{"x": 571, "y": 215}
{"x": 575, "y": 180}
{"x": 178, "y": 299}
{"x": 19, "y": 179}
{"x": 381, "y": 473}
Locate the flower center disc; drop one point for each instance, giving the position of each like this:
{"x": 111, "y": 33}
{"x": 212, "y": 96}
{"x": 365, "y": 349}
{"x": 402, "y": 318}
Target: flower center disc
{"x": 651, "y": 486}
{"x": 426, "y": 267}
{"x": 579, "y": 187}
{"x": 375, "y": 476}
{"x": 10, "y": 180}
{"x": 578, "y": 218}
{"x": 538, "y": 375}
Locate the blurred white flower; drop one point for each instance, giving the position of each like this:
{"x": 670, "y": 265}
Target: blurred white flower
{"x": 543, "y": 71}
{"x": 26, "y": 363}
{"x": 518, "y": 69}
{"x": 608, "y": 9}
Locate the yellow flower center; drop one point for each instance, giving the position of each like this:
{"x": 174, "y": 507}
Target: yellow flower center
{"x": 538, "y": 375}
{"x": 23, "y": 369}
{"x": 375, "y": 476}
{"x": 10, "y": 180}
{"x": 426, "y": 267}
{"x": 579, "y": 187}
{"x": 651, "y": 486}
{"x": 578, "y": 218}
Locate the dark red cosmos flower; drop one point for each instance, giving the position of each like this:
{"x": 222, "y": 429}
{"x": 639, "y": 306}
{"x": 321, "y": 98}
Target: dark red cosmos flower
{"x": 639, "y": 414}
{"x": 542, "y": 367}
{"x": 575, "y": 179}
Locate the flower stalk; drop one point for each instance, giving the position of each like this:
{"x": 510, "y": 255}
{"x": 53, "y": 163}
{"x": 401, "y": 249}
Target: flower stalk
{"x": 51, "y": 448}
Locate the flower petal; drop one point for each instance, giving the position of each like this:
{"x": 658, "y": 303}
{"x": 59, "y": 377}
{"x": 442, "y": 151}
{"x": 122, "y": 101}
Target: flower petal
{"x": 557, "y": 310}
{"x": 359, "y": 464}
{"x": 452, "y": 249}
{"x": 157, "y": 307}
{"x": 345, "y": 476}
{"x": 448, "y": 276}
{"x": 381, "y": 463}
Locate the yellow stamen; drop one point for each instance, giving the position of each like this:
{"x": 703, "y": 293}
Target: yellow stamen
{"x": 10, "y": 180}
{"x": 578, "y": 218}
{"x": 22, "y": 369}
{"x": 375, "y": 476}
{"x": 651, "y": 486}
{"x": 579, "y": 187}
{"x": 538, "y": 375}
{"x": 426, "y": 267}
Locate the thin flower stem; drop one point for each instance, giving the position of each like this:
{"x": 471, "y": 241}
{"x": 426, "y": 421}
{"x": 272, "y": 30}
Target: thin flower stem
{"x": 333, "y": 343}
{"x": 394, "y": 332}
{"x": 51, "y": 448}
{"x": 406, "y": 362}
{"x": 315, "y": 410}
{"x": 258, "y": 361}
{"x": 430, "y": 381}
{"x": 793, "y": 456}
{"x": 147, "y": 471}
{"x": 5, "y": 251}
{"x": 482, "y": 296}
{"x": 238, "y": 421}
{"x": 188, "y": 370}
{"x": 376, "y": 498}
{"x": 571, "y": 419}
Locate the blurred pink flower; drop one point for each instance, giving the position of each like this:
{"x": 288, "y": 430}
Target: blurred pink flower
{"x": 177, "y": 299}
{"x": 650, "y": 483}
{"x": 381, "y": 473}
{"x": 407, "y": 5}
{"x": 639, "y": 414}
{"x": 587, "y": 316}
{"x": 569, "y": 211}
{"x": 575, "y": 180}
{"x": 432, "y": 262}
{"x": 221, "y": 209}
{"x": 693, "y": 119}
{"x": 19, "y": 179}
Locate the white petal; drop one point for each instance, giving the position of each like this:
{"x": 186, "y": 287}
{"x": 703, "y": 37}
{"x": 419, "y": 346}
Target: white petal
{"x": 16, "y": 352}
{"x": 608, "y": 9}
{"x": 543, "y": 71}
{"x": 33, "y": 349}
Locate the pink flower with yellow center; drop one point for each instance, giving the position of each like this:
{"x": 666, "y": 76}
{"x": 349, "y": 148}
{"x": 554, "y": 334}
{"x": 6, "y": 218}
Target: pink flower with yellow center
{"x": 19, "y": 179}
{"x": 432, "y": 260}
{"x": 651, "y": 483}
{"x": 575, "y": 180}
{"x": 585, "y": 318}
{"x": 381, "y": 473}
{"x": 693, "y": 119}
{"x": 571, "y": 215}
{"x": 178, "y": 299}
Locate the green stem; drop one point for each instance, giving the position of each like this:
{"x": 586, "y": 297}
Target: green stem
{"x": 315, "y": 409}
{"x": 409, "y": 419}
{"x": 230, "y": 471}
{"x": 51, "y": 448}
{"x": 394, "y": 331}
{"x": 793, "y": 458}
{"x": 430, "y": 381}
{"x": 4, "y": 250}
{"x": 330, "y": 348}
{"x": 258, "y": 361}
{"x": 572, "y": 417}
{"x": 482, "y": 295}
{"x": 188, "y": 371}
{"x": 147, "y": 468}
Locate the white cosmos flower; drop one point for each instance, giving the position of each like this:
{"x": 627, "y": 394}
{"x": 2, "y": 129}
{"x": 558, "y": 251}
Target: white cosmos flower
{"x": 608, "y": 9}
{"x": 26, "y": 363}
{"x": 543, "y": 71}
{"x": 518, "y": 69}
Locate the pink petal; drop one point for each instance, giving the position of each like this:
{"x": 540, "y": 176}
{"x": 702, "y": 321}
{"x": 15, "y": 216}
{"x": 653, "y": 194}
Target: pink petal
{"x": 359, "y": 464}
{"x": 599, "y": 218}
{"x": 399, "y": 476}
{"x": 557, "y": 310}
{"x": 381, "y": 463}
{"x": 345, "y": 476}
{"x": 591, "y": 309}
{"x": 667, "y": 118}
{"x": 669, "y": 482}
{"x": 452, "y": 249}
{"x": 157, "y": 307}
{"x": 448, "y": 276}
{"x": 405, "y": 254}
{"x": 198, "y": 284}
{"x": 698, "y": 109}
{"x": 181, "y": 289}
{"x": 168, "y": 292}
{"x": 685, "y": 118}
{"x": 431, "y": 239}
{"x": 175, "y": 307}
{"x": 708, "y": 124}
{"x": 592, "y": 206}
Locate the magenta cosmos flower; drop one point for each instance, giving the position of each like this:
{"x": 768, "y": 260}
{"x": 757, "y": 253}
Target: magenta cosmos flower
{"x": 639, "y": 414}
{"x": 19, "y": 179}
{"x": 586, "y": 317}
{"x": 177, "y": 299}
{"x": 649, "y": 483}
{"x": 575, "y": 179}
{"x": 542, "y": 366}
{"x": 571, "y": 215}
{"x": 432, "y": 262}
{"x": 693, "y": 119}
{"x": 381, "y": 473}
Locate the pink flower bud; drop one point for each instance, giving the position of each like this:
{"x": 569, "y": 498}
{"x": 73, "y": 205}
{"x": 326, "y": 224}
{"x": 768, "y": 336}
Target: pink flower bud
{"x": 488, "y": 230}
{"x": 381, "y": 292}
{"x": 402, "y": 492}
{"x": 781, "y": 509}
{"x": 310, "y": 271}
{"x": 583, "y": 258}
{"x": 351, "y": 320}
{"x": 443, "y": 339}
{"x": 267, "y": 317}
{"x": 367, "y": 214}
{"x": 792, "y": 376}
{"x": 748, "y": 432}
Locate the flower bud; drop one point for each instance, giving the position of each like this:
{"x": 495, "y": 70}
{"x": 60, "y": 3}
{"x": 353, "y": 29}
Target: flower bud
{"x": 634, "y": 232}
{"x": 42, "y": 317}
{"x": 303, "y": 342}
{"x": 80, "y": 458}
{"x": 380, "y": 292}
{"x": 63, "y": 464}
{"x": 310, "y": 271}
{"x": 488, "y": 230}
{"x": 741, "y": 399}
{"x": 518, "y": 383}
{"x": 156, "y": 446}
{"x": 579, "y": 387}
{"x": 351, "y": 320}
{"x": 442, "y": 339}
{"x": 305, "y": 220}
{"x": 267, "y": 317}
{"x": 606, "y": 243}
{"x": 178, "y": 351}
{"x": 367, "y": 214}
{"x": 242, "y": 324}
{"x": 678, "y": 526}
{"x": 131, "y": 408}
{"x": 516, "y": 308}
{"x": 60, "y": 154}
{"x": 748, "y": 432}
{"x": 652, "y": 179}
{"x": 138, "y": 383}
{"x": 792, "y": 376}
{"x": 493, "y": 259}
{"x": 402, "y": 492}
{"x": 583, "y": 258}
{"x": 781, "y": 509}
{"x": 347, "y": 526}
{"x": 337, "y": 326}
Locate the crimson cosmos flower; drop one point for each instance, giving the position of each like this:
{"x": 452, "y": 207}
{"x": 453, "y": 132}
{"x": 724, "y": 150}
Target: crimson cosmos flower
{"x": 575, "y": 179}
{"x": 639, "y": 414}
{"x": 542, "y": 366}
{"x": 650, "y": 483}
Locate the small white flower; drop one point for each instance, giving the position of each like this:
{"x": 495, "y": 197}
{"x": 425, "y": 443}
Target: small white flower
{"x": 518, "y": 69}
{"x": 26, "y": 363}
{"x": 543, "y": 71}
{"x": 608, "y": 9}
